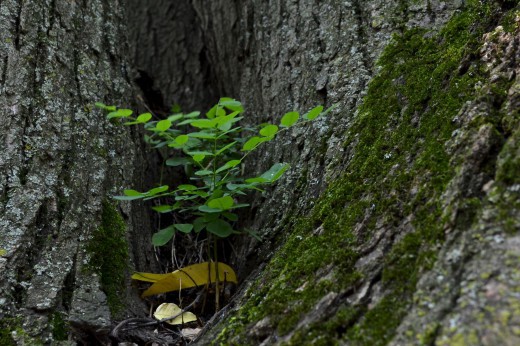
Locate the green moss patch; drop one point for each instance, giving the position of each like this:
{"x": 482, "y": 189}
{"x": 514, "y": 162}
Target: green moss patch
{"x": 109, "y": 255}
{"x": 400, "y": 168}
{"x": 60, "y": 328}
{"x": 7, "y": 326}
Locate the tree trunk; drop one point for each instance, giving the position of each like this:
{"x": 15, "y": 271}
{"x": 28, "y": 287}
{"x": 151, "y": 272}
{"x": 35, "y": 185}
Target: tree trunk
{"x": 64, "y": 251}
{"x": 397, "y": 224}
{"x": 398, "y": 221}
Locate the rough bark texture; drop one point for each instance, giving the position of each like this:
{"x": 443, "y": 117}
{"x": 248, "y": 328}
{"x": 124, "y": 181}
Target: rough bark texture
{"x": 64, "y": 245}
{"x": 398, "y": 223}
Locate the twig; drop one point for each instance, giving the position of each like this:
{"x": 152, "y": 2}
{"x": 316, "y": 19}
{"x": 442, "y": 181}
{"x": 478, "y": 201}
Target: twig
{"x": 146, "y": 322}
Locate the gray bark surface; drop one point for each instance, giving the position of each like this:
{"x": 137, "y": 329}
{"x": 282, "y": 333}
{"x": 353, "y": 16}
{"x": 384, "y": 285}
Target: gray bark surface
{"x": 59, "y": 161}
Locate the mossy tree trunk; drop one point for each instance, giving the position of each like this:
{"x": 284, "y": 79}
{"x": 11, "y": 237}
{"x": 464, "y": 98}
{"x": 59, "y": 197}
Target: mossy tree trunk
{"x": 398, "y": 223}
{"x": 64, "y": 246}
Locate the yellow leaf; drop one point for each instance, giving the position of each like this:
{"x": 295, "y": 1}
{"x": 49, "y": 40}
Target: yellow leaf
{"x": 149, "y": 277}
{"x": 166, "y": 310}
{"x": 3, "y": 252}
{"x": 191, "y": 276}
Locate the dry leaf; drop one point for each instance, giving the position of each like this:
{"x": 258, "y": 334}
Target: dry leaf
{"x": 166, "y": 310}
{"x": 190, "y": 333}
{"x": 191, "y": 276}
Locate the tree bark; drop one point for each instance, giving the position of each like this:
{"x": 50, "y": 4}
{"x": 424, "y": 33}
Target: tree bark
{"x": 389, "y": 228}
{"x": 60, "y": 163}
{"x": 397, "y": 224}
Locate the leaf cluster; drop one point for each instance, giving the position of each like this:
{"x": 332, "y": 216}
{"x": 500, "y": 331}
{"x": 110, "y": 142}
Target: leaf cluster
{"x": 212, "y": 148}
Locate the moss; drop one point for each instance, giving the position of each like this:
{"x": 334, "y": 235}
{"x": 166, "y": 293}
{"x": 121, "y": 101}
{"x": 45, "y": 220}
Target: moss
{"x": 399, "y": 144}
{"x": 7, "y": 325}
{"x": 60, "y": 328}
{"x": 109, "y": 255}
{"x": 12, "y": 333}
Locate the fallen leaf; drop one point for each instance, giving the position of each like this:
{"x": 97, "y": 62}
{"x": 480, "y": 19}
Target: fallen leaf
{"x": 191, "y": 276}
{"x": 190, "y": 333}
{"x": 166, "y": 310}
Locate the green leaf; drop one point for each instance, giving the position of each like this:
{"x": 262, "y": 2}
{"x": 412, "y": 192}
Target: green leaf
{"x": 327, "y": 111}
{"x": 275, "y": 172}
{"x": 177, "y": 161}
{"x": 105, "y": 107}
{"x": 176, "y": 108}
{"x": 141, "y": 119}
{"x": 231, "y": 104}
{"x": 240, "y": 205}
{"x": 199, "y": 224}
{"x": 237, "y": 188}
{"x": 253, "y": 234}
{"x": 222, "y": 203}
{"x": 127, "y": 198}
{"x": 207, "y": 209}
{"x": 185, "y": 122}
{"x": 204, "y": 123}
{"x": 289, "y": 119}
{"x": 163, "y": 125}
{"x": 120, "y": 113}
{"x": 202, "y": 194}
{"x": 251, "y": 143}
{"x": 163, "y": 236}
{"x": 184, "y": 227}
{"x": 256, "y": 180}
{"x": 220, "y": 112}
{"x": 224, "y": 122}
{"x": 271, "y": 175}
{"x": 211, "y": 113}
{"x": 198, "y": 157}
{"x": 228, "y": 165}
{"x": 182, "y": 139}
{"x": 230, "y": 216}
{"x": 133, "y": 193}
{"x": 226, "y": 148}
{"x": 175, "y": 117}
{"x": 192, "y": 115}
{"x": 314, "y": 113}
{"x": 203, "y": 172}
{"x": 157, "y": 190}
{"x": 187, "y": 187}
{"x": 220, "y": 227}
{"x": 207, "y": 153}
{"x": 130, "y": 195}
{"x": 164, "y": 208}
{"x": 269, "y": 130}
{"x": 203, "y": 135}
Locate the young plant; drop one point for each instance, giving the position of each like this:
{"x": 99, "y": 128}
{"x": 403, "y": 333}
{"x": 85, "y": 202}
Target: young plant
{"x": 212, "y": 148}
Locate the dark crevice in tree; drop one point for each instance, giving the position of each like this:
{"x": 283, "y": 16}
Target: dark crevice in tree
{"x": 77, "y": 82}
{"x": 17, "y": 26}
{"x": 152, "y": 97}
{"x": 4, "y": 70}
{"x": 52, "y": 16}
{"x": 322, "y": 94}
{"x": 362, "y": 37}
